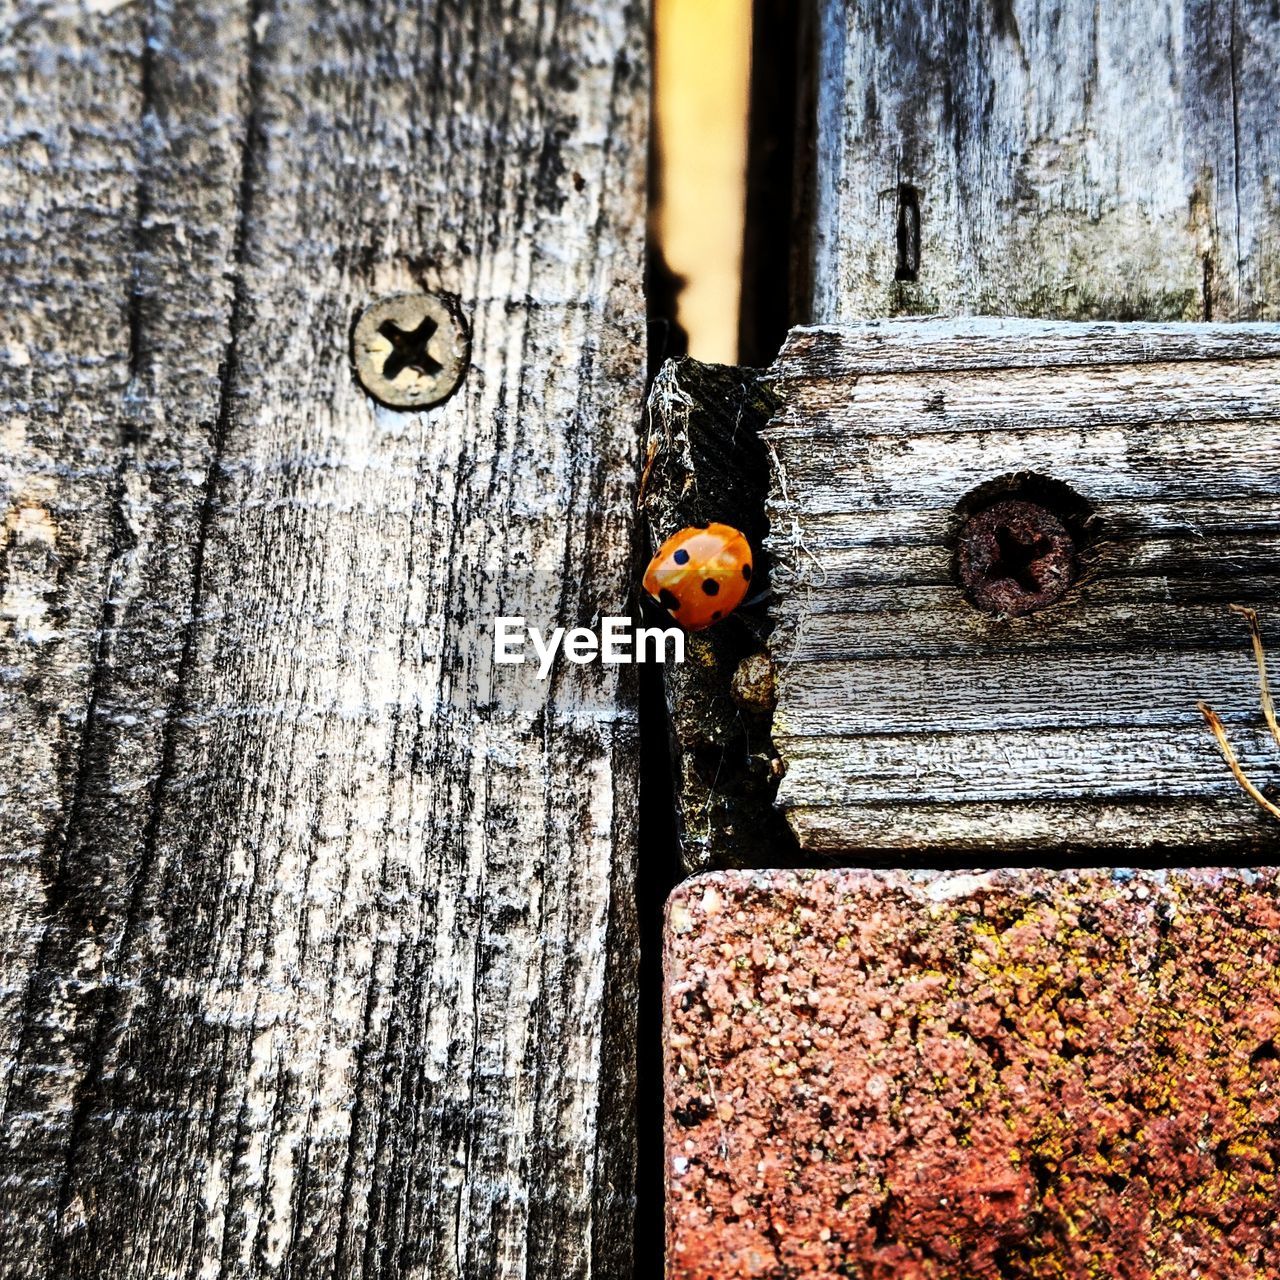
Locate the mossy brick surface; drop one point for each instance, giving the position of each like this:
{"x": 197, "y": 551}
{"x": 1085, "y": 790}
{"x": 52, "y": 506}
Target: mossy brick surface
{"x": 944, "y": 1076}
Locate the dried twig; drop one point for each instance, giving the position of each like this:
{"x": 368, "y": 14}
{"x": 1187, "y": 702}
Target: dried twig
{"x": 1229, "y": 755}
{"x": 1268, "y": 711}
{"x": 1259, "y": 656}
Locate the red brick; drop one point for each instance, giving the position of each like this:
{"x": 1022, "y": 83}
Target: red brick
{"x": 938, "y": 1076}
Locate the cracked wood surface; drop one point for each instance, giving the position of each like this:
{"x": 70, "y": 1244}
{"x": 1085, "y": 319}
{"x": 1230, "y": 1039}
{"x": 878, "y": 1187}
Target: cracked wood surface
{"x": 1047, "y": 158}
{"x": 316, "y": 940}
{"x": 906, "y": 718}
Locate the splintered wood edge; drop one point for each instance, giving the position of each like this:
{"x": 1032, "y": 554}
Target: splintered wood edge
{"x": 928, "y": 344}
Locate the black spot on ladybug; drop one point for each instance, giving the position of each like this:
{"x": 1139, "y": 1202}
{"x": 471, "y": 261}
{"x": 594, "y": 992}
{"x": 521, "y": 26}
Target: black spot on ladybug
{"x": 746, "y": 572}
{"x": 668, "y": 601}
{"x": 711, "y": 586}
{"x": 681, "y": 556}
{"x": 715, "y": 617}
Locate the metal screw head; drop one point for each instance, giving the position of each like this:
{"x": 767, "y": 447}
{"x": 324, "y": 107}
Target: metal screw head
{"x": 1015, "y": 557}
{"x": 410, "y": 350}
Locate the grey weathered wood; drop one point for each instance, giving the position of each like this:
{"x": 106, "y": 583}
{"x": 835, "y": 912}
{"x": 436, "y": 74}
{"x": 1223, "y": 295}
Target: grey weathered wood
{"x": 928, "y": 344}
{"x": 906, "y": 718}
{"x": 1020, "y": 834}
{"x": 1069, "y": 159}
{"x": 316, "y": 936}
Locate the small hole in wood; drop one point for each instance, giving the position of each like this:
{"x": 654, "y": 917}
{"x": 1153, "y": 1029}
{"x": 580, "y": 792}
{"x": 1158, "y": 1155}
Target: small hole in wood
{"x": 908, "y": 233}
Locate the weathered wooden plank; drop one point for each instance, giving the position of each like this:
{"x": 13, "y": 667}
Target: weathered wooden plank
{"x": 896, "y": 693}
{"x": 1050, "y": 158}
{"x": 822, "y": 353}
{"x": 997, "y": 763}
{"x": 116, "y": 201}
{"x": 1239, "y": 553}
{"x": 853, "y": 532}
{"x": 937, "y": 622}
{"x": 1222, "y": 392}
{"x": 1057, "y": 691}
{"x": 1172, "y": 461}
{"x": 326, "y": 963}
{"x": 55, "y": 369}
{"x": 1021, "y": 832}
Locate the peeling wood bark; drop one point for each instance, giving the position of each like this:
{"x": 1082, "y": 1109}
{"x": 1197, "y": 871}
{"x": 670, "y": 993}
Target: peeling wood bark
{"x": 316, "y": 942}
{"x": 1048, "y": 158}
{"x": 906, "y": 718}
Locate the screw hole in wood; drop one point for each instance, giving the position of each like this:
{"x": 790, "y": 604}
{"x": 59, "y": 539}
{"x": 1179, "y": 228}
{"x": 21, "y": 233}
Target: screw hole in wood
{"x": 1020, "y": 543}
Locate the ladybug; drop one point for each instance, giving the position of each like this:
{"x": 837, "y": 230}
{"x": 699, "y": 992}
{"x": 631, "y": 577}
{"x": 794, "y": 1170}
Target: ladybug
{"x": 700, "y": 574}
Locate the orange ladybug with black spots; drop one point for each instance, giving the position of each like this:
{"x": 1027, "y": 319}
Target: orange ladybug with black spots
{"x": 700, "y": 574}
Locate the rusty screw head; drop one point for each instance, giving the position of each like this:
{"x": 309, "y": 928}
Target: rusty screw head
{"x": 410, "y": 350}
{"x": 1015, "y": 557}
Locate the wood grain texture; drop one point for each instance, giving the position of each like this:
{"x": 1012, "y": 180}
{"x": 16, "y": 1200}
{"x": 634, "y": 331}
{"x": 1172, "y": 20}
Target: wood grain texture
{"x": 1048, "y": 158}
{"x": 316, "y": 943}
{"x": 906, "y": 718}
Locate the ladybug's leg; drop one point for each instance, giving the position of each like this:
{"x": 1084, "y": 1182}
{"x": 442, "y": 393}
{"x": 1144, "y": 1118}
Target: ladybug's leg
{"x": 754, "y": 625}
